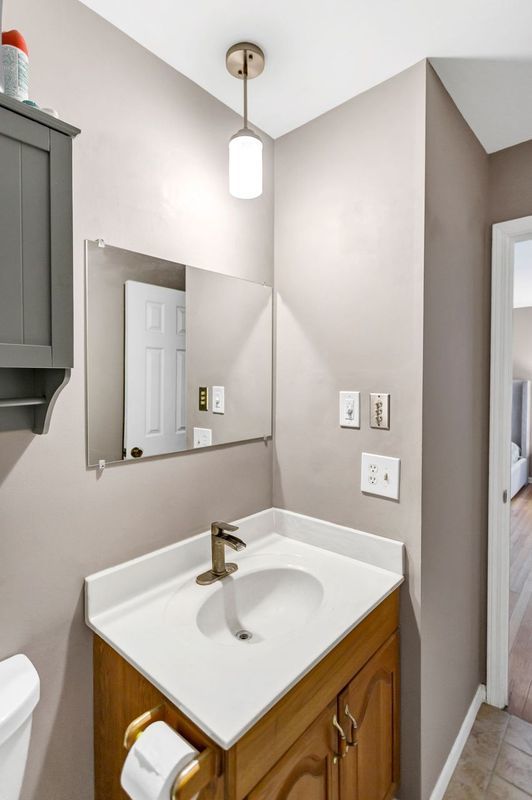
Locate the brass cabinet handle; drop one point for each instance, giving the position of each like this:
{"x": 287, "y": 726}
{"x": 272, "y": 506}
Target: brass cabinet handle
{"x": 354, "y": 726}
{"x": 136, "y": 452}
{"x": 344, "y": 747}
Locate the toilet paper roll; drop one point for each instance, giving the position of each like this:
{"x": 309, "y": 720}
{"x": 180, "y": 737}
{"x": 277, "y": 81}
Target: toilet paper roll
{"x": 154, "y": 762}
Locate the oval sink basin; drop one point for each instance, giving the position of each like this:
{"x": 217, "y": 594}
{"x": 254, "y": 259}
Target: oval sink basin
{"x": 260, "y": 605}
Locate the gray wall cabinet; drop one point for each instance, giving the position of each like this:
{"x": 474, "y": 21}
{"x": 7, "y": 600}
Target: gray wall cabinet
{"x": 36, "y": 326}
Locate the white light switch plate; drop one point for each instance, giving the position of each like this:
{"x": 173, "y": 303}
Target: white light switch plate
{"x": 380, "y": 475}
{"x": 202, "y": 437}
{"x": 350, "y": 409}
{"x": 218, "y": 399}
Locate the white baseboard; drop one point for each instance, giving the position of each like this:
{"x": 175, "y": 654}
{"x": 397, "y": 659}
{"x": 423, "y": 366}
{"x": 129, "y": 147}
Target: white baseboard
{"x": 456, "y": 750}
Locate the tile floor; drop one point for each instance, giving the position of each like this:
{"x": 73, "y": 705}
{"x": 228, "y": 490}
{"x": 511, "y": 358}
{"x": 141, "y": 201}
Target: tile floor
{"x": 496, "y": 763}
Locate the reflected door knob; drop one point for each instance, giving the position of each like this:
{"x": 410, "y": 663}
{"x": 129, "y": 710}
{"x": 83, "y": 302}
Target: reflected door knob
{"x": 136, "y": 452}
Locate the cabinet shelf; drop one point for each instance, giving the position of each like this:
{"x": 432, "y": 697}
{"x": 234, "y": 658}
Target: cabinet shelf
{"x": 22, "y": 401}
{"x": 27, "y": 397}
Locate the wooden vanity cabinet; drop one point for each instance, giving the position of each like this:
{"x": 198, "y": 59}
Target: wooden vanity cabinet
{"x": 294, "y": 752}
{"x": 308, "y": 771}
{"x": 366, "y": 767}
{"x": 370, "y": 769}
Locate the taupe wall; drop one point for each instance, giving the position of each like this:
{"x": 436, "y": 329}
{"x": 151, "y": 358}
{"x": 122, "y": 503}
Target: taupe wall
{"x": 150, "y": 174}
{"x": 229, "y": 343}
{"x": 349, "y": 212}
{"x": 455, "y": 427}
{"x": 510, "y": 192}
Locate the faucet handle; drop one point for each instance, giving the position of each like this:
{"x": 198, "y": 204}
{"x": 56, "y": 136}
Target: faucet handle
{"x": 220, "y": 527}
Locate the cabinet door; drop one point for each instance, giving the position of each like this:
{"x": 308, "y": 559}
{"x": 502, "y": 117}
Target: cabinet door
{"x": 370, "y": 771}
{"x": 308, "y": 770}
{"x": 35, "y": 244}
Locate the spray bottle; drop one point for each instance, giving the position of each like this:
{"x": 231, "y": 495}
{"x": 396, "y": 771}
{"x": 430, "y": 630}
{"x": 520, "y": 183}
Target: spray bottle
{"x": 16, "y": 65}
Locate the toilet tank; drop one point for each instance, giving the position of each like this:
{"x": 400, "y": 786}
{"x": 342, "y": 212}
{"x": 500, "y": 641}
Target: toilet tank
{"x": 19, "y": 694}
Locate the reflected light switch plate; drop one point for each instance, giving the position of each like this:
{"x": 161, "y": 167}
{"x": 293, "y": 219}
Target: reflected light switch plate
{"x": 349, "y": 409}
{"x": 202, "y": 437}
{"x": 218, "y": 399}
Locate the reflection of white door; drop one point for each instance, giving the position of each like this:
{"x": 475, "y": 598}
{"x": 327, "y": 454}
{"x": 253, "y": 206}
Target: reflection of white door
{"x": 155, "y": 385}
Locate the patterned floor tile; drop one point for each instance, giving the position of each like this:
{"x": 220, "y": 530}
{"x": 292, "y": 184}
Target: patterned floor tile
{"x": 519, "y": 734}
{"x": 515, "y": 767}
{"x": 500, "y": 789}
{"x": 469, "y": 782}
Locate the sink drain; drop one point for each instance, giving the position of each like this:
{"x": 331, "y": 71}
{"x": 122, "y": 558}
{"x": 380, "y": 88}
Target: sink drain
{"x": 244, "y": 636}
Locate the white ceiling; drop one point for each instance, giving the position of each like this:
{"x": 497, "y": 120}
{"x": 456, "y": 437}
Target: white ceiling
{"x": 523, "y": 274}
{"x": 494, "y": 96}
{"x": 322, "y": 52}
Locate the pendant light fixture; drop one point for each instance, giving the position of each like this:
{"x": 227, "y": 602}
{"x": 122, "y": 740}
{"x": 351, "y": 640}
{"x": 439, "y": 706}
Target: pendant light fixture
{"x": 245, "y": 61}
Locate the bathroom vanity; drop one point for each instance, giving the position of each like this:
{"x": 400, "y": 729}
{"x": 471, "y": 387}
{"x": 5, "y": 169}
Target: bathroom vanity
{"x": 304, "y": 705}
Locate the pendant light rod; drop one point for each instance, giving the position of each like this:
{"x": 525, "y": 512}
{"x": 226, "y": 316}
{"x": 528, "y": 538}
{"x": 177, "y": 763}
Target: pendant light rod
{"x": 245, "y": 90}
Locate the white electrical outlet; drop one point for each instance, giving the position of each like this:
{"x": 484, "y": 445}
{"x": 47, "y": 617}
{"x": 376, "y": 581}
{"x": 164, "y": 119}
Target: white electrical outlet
{"x": 202, "y": 437}
{"x": 350, "y": 409}
{"x": 218, "y": 399}
{"x": 380, "y": 475}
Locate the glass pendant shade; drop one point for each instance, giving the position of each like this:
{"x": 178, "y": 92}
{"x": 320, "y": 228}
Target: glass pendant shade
{"x": 245, "y": 165}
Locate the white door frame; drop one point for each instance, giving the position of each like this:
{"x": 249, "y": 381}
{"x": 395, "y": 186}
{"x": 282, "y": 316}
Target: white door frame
{"x": 505, "y": 235}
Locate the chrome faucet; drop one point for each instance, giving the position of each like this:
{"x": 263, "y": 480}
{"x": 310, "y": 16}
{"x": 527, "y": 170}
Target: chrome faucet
{"x": 220, "y": 538}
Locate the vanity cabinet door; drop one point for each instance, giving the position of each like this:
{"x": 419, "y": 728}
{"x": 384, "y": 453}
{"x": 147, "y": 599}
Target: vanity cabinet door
{"x": 307, "y": 771}
{"x": 370, "y": 771}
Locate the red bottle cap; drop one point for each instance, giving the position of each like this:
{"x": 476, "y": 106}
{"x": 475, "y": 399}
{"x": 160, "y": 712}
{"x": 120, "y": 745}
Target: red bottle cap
{"x": 15, "y": 39}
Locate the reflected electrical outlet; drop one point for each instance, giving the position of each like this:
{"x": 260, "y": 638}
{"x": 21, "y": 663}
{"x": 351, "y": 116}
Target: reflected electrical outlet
{"x": 202, "y": 437}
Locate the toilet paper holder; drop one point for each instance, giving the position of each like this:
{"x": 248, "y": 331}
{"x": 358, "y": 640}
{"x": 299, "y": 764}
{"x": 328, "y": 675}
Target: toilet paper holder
{"x": 196, "y": 775}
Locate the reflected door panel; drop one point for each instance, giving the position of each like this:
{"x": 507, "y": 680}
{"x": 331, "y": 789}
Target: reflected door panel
{"x": 155, "y": 370}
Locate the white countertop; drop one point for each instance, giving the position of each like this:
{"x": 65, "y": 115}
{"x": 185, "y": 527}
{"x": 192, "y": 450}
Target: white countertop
{"x": 323, "y": 579}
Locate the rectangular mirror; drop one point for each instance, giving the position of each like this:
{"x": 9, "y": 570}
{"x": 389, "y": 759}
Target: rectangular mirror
{"x": 177, "y": 357}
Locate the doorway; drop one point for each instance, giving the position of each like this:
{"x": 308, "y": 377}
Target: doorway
{"x": 509, "y": 663}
